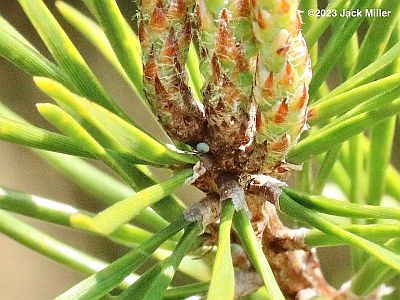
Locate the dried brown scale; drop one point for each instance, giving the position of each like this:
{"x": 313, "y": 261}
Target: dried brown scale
{"x": 246, "y": 283}
{"x": 218, "y": 164}
{"x": 239, "y": 256}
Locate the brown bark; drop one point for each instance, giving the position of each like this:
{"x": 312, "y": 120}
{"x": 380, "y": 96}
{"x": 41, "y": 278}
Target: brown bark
{"x": 296, "y": 268}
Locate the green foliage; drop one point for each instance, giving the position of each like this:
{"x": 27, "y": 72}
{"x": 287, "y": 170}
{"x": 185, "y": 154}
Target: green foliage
{"x": 223, "y": 280}
{"x": 256, "y": 255}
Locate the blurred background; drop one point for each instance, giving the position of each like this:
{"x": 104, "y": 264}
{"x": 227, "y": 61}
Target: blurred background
{"x": 23, "y": 273}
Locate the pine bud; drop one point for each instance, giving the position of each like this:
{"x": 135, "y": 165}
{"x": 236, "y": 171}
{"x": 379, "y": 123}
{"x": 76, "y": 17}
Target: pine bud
{"x": 165, "y": 33}
{"x": 283, "y": 74}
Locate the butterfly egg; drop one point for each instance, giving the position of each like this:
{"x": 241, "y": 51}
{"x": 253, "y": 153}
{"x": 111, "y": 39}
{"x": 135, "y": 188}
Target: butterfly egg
{"x": 202, "y": 147}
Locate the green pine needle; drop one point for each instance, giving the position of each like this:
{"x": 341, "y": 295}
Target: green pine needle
{"x": 294, "y": 209}
{"x": 107, "y": 279}
{"x": 222, "y": 285}
{"x": 256, "y": 255}
{"x": 122, "y": 212}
